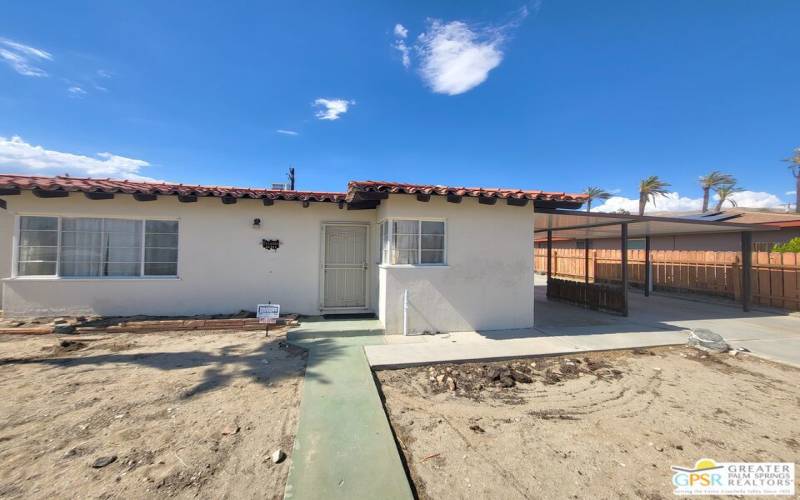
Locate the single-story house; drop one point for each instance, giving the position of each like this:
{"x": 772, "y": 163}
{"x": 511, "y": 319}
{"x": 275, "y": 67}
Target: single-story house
{"x": 779, "y": 227}
{"x": 443, "y": 258}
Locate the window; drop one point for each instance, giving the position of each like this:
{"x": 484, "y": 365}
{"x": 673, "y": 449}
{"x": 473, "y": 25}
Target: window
{"x": 95, "y": 247}
{"x": 38, "y": 246}
{"x": 161, "y": 248}
{"x": 413, "y": 242}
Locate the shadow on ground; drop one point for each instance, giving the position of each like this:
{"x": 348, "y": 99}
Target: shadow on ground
{"x": 221, "y": 366}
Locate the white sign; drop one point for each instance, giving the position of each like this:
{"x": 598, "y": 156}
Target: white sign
{"x": 268, "y": 313}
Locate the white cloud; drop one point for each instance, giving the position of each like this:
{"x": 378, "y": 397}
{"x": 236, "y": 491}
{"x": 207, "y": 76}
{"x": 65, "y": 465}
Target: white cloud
{"x": 76, "y": 91}
{"x": 791, "y": 193}
{"x": 456, "y": 57}
{"x": 674, "y": 202}
{"x": 16, "y": 155}
{"x": 400, "y": 31}
{"x": 102, "y": 73}
{"x": 23, "y": 58}
{"x": 757, "y": 199}
{"x": 331, "y": 109}
{"x": 286, "y": 132}
{"x": 405, "y": 53}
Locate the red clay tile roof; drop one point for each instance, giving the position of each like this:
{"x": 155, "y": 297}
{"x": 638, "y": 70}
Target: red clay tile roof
{"x": 398, "y": 188}
{"x": 131, "y": 187}
{"x": 88, "y": 185}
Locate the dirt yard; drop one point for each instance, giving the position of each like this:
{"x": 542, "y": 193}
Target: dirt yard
{"x": 194, "y": 414}
{"x": 604, "y": 425}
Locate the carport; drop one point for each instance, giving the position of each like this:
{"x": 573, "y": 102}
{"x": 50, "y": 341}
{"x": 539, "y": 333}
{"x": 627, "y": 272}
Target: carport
{"x": 588, "y": 226}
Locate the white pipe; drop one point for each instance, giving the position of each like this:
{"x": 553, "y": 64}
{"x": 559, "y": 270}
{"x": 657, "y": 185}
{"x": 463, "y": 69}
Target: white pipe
{"x": 405, "y": 312}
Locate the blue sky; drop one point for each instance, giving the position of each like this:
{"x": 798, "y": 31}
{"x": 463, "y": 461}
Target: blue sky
{"x": 555, "y": 95}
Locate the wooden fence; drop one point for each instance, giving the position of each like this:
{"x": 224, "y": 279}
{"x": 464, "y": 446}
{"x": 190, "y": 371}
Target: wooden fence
{"x": 775, "y": 276}
{"x": 599, "y": 297}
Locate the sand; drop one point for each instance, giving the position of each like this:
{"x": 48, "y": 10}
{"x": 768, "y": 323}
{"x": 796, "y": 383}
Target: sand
{"x": 185, "y": 414}
{"x": 610, "y": 434}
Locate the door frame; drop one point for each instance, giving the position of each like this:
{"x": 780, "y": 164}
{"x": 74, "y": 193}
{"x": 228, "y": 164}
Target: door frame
{"x": 367, "y": 272}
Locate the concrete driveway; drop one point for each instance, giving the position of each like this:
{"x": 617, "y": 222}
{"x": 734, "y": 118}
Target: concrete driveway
{"x": 772, "y": 335}
{"x": 562, "y": 329}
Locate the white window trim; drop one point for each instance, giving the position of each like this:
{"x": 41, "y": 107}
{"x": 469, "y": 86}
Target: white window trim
{"x": 420, "y": 220}
{"x": 57, "y": 277}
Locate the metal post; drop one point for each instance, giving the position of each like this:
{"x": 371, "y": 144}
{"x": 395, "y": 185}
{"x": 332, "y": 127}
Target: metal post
{"x": 586, "y": 261}
{"x": 549, "y": 258}
{"x": 624, "y": 248}
{"x": 747, "y": 265}
{"x": 647, "y": 276}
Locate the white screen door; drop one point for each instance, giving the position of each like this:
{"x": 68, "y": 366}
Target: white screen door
{"x": 345, "y": 266}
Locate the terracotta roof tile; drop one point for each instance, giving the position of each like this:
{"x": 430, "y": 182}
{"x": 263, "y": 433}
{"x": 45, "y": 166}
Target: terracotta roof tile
{"x": 399, "y": 188}
{"x": 81, "y": 184}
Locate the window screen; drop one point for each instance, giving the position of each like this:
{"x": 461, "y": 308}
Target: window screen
{"x": 96, "y": 247}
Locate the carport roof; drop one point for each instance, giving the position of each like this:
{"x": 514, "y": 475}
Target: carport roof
{"x": 577, "y": 225}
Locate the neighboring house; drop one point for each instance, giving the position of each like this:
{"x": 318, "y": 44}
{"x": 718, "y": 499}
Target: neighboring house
{"x": 788, "y": 224}
{"x": 461, "y": 256}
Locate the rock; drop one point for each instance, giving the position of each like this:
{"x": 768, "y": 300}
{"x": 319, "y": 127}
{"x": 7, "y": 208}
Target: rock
{"x": 71, "y": 345}
{"x": 493, "y": 374}
{"x": 451, "y": 384}
{"x": 103, "y": 461}
{"x": 476, "y": 428}
{"x": 64, "y": 328}
{"x": 707, "y": 340}
{"x": 733, "y": 353}
{"x": 230, "y": 429}
{"x": 507, "y": 381}
{"x": 278, "y": 456}
{"x": 440, "y": 379}
{"x": 521, "y": 377}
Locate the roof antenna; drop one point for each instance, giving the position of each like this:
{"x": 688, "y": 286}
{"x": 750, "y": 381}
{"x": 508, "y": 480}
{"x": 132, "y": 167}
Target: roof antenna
{"x": 291, "y": 178}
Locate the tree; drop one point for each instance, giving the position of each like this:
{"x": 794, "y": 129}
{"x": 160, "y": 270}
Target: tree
{"x": 712, "y": 181}
{"x": 794, "y": 166}
{"x": 649, "y": 189}
{"x": 725, "y": 193}
{"x": 595, "y": 193}
{"x": 792, "y": 245}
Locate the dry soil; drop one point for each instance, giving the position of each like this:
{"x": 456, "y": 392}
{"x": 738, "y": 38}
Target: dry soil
{"x": 602, "y": 425}
{"x": 182, "y": 414}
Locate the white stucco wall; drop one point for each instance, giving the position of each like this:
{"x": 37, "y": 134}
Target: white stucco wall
{"x": 487, "y": 283}
{"x": 221, "y": 265}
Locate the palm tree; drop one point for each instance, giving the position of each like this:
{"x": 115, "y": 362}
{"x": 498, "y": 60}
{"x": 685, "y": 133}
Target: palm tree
{"x": 649, "y": 189}
{"x": 712, "y": 181}
{"x": 794, "y": 166}
{"x": 725, "y": 193}
{"x": 595, "y": 193}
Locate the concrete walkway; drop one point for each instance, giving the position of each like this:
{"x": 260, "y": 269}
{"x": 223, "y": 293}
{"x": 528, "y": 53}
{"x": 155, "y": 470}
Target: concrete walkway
{"x": 506, "y": 344}
{"x": 344, "y": 446}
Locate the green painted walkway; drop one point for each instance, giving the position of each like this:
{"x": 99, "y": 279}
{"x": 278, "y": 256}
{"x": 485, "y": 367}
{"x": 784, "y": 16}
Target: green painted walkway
{"x": 344, "y": 447}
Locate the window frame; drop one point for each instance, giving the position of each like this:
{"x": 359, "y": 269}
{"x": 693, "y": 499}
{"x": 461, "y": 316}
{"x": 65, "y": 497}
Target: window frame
{"x": 390, "y": 241}
{"x": 46, "y": 277}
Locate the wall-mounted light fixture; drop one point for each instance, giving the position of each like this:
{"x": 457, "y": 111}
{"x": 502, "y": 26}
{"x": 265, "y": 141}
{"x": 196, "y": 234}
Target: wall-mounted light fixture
{"x": 256, "y": 223}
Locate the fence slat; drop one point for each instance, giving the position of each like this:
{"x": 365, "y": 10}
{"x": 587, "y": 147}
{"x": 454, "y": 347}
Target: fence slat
{"x": 775, "y": 276}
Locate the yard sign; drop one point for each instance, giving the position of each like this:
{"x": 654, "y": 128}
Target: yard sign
{"x": 268, "y": 313}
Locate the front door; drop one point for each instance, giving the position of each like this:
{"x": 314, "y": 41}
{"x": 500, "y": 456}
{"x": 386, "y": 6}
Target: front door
{"x": 345, "y": 267}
